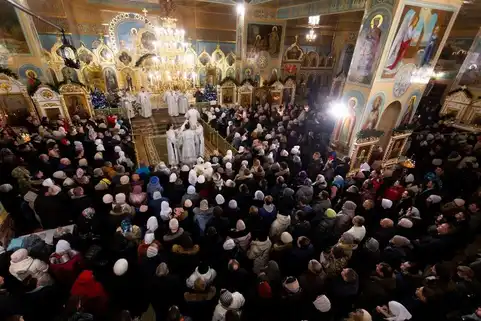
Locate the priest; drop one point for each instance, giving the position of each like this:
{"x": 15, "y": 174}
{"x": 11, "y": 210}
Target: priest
{"x": 187, "y": 140}
{"x": 171, "y": 99}
{"x": 143, "y": 99}
{"x": 192, "y": 115}
{"x": 183, "y": 102}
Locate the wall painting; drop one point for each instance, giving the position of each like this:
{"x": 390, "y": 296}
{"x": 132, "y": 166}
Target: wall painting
{"x": 11, "y": 31}
{"x": 263, "y": 37}
{"x": 417, "y": 39}
{"x": 369, "y": 46}
{"x": 375, "y": 109}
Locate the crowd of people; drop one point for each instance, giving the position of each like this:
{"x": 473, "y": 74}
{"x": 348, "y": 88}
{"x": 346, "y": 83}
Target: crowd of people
{"x": 279, "y": 230}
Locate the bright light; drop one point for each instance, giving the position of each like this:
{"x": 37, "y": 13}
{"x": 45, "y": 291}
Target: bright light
{"x": 311, "y": 36}
{"x": 314, "y": 20}
{"x": 338, "y": 110}
{"x": 241, "y": 9}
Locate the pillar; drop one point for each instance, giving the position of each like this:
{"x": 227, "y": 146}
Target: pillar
{"x": 387, "y": 76}
{"x": 239, "y": 49}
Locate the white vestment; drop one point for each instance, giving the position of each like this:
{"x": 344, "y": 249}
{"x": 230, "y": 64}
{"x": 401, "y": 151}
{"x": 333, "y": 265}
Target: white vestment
{"x": 183, "y": 103}
{"x": 172, "y": 148}
{"x": 127, "y": 101}
{"x": 143, "y": 99}
{"x": 199, "y": 141}
{"x": 171, "y": 99}
{"x": 192, "y": 115}
{"x": 187, "y": 138}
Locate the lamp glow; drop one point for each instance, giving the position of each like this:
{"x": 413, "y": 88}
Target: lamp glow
{"x": 338, "y": 110}
{"x": 241, "y": 9}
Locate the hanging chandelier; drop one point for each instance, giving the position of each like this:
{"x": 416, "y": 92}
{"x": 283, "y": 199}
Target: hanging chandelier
{"x": 311, "y": 36}
{"x": 314, "y": 21}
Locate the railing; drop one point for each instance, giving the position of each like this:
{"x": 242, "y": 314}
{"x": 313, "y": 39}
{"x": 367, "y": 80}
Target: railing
{"x": 212, "y": 136}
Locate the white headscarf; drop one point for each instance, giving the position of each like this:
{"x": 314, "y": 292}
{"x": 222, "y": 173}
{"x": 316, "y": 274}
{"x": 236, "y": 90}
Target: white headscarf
{"x": 192, "y": 177}
{"x": 399, "y": 312}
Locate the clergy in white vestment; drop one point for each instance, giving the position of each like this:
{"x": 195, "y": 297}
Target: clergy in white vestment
{"x": 172, "y": 146}
{"x": 143, "y": 98}
{"x": 171, "y": 99}
{"x": 199, "y": 140}
{"x": 187, "y": 139}
{"x": 192, "y": 115}
{"x": 127, "y": 103}
{"x": 183, "y": 103}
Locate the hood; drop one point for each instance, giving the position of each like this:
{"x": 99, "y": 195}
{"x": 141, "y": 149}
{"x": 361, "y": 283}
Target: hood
{"x": 263, "y": 245}
{"x": 283, "y": 219}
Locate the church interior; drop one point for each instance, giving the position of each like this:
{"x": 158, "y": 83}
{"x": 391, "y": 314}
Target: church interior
{"x": 351, "y": 54}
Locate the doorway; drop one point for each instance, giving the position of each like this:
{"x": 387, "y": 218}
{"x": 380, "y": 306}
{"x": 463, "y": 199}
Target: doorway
{"x": 388, "y": 121}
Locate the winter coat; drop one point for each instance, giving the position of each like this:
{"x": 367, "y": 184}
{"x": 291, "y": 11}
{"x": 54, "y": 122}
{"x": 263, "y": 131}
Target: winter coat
{"x": 165, "y": 291}
{"x": 201, "y": 218}
{"x": 259, "y": 253}
{"x": 92, "y": 294}
{"x": 28, "y": 267}
{"x": 236, "y": 305}
{"x": 43, "y": 303}
{"x": 268, "y": 214}
{"x": 280, "y": 225}
{"x": 208, "y": 277}
{"x": 184, "y": 260}
{"x": 200, "y": 304}
{"x": 65, "y": 267}
{"x": 305, "y": 191}
{"x": 312, "y": 284}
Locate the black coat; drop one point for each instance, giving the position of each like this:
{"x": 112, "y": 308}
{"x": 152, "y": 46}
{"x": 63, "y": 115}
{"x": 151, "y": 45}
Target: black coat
{"x": 165, "y": 291}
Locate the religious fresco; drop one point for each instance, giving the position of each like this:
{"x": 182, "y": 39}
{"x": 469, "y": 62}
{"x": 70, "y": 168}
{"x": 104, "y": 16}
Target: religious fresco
{"x": 374, "y": 109}
{"x": 348, "y": 122}
{"x": 262, "y": 37}
{"x": 11, "y": 32}
{"x": 417, "y": 39}
{"x": 409, "y": 111}
{"x": 126, "y": 32}
{"x": 470, "y": 72}
{"x": 29, "y": 73}
{"x": 369, "y": 46}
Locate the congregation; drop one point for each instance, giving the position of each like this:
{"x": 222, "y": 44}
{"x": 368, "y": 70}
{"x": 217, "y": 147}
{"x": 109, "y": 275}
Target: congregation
{"x": 278, "y": 230}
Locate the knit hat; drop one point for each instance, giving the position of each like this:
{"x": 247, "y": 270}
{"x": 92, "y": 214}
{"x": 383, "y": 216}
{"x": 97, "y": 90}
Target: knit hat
{"x": 406, "y": 223}
{"x": 314, "y": 266}
{"x": 120, "y": 198}
{"x": 229, "y": 244}
{"x": 174, "y": 225}
{"x": 240, "y": 225}
{"x": 190, "y": 190}
{"x": 152, "y": 251}
{"x": 108, "y": 199}
{"x": 226, "y": 298}
{"x": 372, "y": 244}
{"x": 149, "y": 238}
{"x": 204, "y": 205}
{"x": 219, "y": 199}
{"x": 120, "y": 267}
{"x": 286, "y": 238}
{"x": 322, "y": 303}
{"x": 386, "y": 204}
{"x": 124, "y": 180}
{"x": 62, "y": 246}
{"x": 330, "y": 213}
{"x": 232, "y": 204}
{"x": 59, "y": 175}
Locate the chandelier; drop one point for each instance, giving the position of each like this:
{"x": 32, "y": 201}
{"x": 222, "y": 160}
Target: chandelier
{"x": 311, "y": 36}
{"x": 170, "y": 66}
{"x": 314, "y": 20}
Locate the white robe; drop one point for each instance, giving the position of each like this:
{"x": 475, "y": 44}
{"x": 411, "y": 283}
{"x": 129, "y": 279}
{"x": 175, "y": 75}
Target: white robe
{"x": 127, "y": 100}
{"x": 143, "y": 99}
{"x": 188, "y": 146}
{"x": 192, "y": 115}
{"x": 172, "y": 148}
{"x": 183, "y": 103}
{"x": 171, "y": 99}
{"x": 199, "y": 141}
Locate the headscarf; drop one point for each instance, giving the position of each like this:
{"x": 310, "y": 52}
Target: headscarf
{"x": 154, "y": 185}
{"x": 399, "y": 312}
{"x": 338, "y": 181}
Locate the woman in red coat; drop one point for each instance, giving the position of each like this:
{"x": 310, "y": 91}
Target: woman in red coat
{"x": 91, "y": 293}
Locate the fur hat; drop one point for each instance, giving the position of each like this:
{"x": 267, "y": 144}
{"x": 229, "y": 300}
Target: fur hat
{"x": 121, "y": 267}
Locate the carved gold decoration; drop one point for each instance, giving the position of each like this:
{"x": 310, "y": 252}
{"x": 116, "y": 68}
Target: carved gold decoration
{"x": 47, "y": 94}
{"x": 396, "y": 144}
{"x": 362, "y": 152}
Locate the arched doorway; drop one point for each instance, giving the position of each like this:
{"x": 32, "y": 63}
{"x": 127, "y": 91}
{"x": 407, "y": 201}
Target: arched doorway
{"x": 388, "y": 121}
